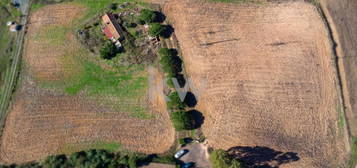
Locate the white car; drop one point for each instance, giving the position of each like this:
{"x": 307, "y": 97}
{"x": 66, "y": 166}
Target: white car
{"x": 181, "y": 153}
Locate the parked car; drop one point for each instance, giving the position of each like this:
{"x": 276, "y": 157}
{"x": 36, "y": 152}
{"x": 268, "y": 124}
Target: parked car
{"x": 181, "y": 153}
{"x": 188, "y": 165}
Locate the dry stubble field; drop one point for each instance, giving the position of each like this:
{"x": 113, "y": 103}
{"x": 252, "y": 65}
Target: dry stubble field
{"x": 45, "y": 121}
{"x": 270, "y": 77}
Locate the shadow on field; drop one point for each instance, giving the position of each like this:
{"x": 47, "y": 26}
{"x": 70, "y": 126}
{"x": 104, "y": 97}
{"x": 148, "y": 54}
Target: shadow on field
{"x": 169, "y": 30}
{"x": 262, "y": 157}
{"x": 190, "y": 99}
{"x": 198, "y": 118}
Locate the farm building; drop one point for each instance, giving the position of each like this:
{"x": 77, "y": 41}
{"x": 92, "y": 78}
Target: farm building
{"x": 111, "y": 27}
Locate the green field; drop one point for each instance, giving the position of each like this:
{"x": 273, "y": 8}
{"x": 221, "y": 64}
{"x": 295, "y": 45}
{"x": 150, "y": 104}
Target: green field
{"x": 7, "y": 13}
{"x": 93, "y": 76}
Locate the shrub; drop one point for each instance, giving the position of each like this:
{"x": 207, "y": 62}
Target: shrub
{"x": 175, "y": 102}
{"x": 170, "y": 62}
{"x": 156, "y": 29}
{"x": 182, "y": 141}
{"x": 182, "y": 120}
{"x": 164, "y": 159}
{"x": 113, "y": 6}
{"x": 221, "y": 159}
{"x": 108, "y": 51}
{"x": 147, "y": 16}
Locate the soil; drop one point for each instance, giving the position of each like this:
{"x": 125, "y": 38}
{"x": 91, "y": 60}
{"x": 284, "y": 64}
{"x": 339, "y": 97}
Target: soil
{"x": 264, "y": 75}
{"x": 43, "y": 121}
{"x": 343, "y": 20}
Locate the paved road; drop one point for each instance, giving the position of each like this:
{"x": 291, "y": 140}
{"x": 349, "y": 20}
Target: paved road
{"x": 13, "y": 71}
{"x": 197, "y": 154}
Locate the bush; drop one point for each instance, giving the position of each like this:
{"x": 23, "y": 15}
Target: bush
{"x": 164, "y": 159}
{"x": 221, "y": 159}
{"x": 108, "y": 51}
{"x": 147, "y": 16}
{"x": 182, "y": 141}
{"x": 175, "y": 102}
{"x": 170, "y": 62}
{"x": 182, "y": 120}
{"x": 156, "y": 29}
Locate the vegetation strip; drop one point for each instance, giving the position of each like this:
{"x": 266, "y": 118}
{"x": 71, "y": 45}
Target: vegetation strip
{"x": 10, "y": 81}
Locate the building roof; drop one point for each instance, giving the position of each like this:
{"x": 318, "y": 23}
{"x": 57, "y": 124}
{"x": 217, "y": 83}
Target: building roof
{"x": 112, "y": 26}
{"x": 107, "y": 32}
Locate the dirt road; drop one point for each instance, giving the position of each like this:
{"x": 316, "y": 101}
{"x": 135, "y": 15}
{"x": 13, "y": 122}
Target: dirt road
{"x": 197, "y": 154}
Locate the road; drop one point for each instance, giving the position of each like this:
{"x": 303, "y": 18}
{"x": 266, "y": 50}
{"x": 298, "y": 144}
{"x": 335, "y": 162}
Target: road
{"x": 197, "y": 154}
{"x": 11, "y": 76}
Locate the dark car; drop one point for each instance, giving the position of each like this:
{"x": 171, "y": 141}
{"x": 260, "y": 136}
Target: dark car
{"x": 188, "y": 165}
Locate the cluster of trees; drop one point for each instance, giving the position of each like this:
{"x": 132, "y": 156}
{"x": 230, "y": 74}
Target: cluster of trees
{"x": 108, "y": 50}
{"x": 171, "y": 64}
{"x": 94, "y": 158}
{"x": 153, "y": 19}
{"x": 221, "y": 159}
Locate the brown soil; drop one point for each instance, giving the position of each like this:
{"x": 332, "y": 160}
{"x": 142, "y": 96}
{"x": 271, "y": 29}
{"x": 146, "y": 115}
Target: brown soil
{"x": 343, "y": 20}
{"x": 49, "y": 59}
{"x": 264, "y": 75}
{"x": 43, "y": 122}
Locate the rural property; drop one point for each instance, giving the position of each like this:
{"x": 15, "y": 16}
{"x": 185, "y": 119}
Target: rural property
{"x": 185, "y": 83}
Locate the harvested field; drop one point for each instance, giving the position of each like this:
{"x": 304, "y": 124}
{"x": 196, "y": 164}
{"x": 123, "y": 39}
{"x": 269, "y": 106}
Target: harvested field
{"x": 265, "y": 76}
{"x": 343, "y": 20}
{"x": 47, "y": 120}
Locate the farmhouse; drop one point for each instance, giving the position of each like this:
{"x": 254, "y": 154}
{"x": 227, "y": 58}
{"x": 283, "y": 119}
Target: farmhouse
{"x": 111, "y": 28}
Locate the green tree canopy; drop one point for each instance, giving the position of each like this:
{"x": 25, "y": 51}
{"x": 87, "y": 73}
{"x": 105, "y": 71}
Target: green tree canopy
{"x": 182, "y": 120}
{"x": 147, "y": 16}
{"x": 221, "y": 159}
{"x": 108, "y": 51}
{"x": 156, "y": 29}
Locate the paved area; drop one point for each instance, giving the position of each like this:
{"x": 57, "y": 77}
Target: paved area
{"x": 197, "y": 154}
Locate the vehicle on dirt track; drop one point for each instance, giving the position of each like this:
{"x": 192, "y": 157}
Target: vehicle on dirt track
{"x": 181, "y": 153}
{"x": 188, "y": 165}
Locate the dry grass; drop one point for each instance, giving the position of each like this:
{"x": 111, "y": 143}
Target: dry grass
{"x": 270, "y": 77}
{"x": 46, "y": 121}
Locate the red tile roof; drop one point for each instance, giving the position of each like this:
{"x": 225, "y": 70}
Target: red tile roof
{"x": 107, "y": 32}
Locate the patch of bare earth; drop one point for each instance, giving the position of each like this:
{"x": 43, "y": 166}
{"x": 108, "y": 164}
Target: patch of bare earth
{"x": 264, "y": 76}
{"x": 43, "y": 122}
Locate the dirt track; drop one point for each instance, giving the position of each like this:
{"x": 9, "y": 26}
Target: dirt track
{"x": 43, "y": 122}
{"x": 343, "y": 20}
{"x": 271, "y": 79}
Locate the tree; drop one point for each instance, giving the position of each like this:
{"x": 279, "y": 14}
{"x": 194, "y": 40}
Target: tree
{"x": 182, "y": 120}
{"x": 147, "y": 16}
{"x": 175, "y": 103}
{"x": 156, "y": 29}
{"x": 221, "y": 159}
{"x": 170, "y": 62}
{"x": 108, "y": 51}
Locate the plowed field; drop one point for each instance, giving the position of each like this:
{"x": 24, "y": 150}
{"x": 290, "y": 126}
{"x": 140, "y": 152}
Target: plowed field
{"x": 46, "y": 120}
{"x": 265, "y": 76}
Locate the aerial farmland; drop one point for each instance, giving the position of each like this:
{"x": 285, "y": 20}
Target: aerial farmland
{"x": 185, "y": 83}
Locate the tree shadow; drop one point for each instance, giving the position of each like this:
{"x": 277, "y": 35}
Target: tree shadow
{"x": 190, "y": 99}
{"x": 168, "y": 31}
{"x": 197, "y": 117}
{"x": 159, "y": 17}
{"x": 180, "y": 79}
{"x": 262, "y": 157}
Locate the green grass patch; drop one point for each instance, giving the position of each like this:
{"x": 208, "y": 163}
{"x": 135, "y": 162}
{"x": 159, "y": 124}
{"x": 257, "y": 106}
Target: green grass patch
{"x": 36, "y": 6}
{"x": 125, "y": 86}
{"x": 71, "y": 148}
{"x": 353, "y": 160}
{"x": 341, "y": 118}
{"x": 53, "y": 35}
